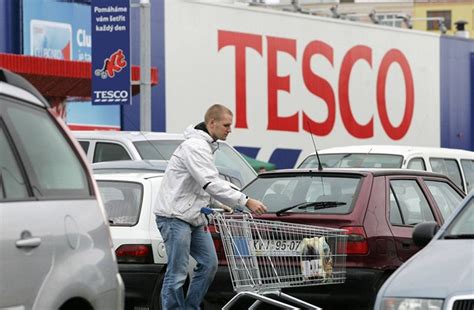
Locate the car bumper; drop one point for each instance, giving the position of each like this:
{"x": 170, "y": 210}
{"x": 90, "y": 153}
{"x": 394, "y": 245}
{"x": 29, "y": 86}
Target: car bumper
{"x": 360, "y": 288}
{"x": 141, "y": 282}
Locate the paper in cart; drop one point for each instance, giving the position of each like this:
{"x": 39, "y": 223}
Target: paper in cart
{"x": 316, "y": 260}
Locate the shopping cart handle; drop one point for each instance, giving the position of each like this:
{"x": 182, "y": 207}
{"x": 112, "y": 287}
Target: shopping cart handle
{"x": 207, "y": 210}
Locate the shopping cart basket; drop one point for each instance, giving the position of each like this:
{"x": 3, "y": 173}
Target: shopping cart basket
{"x": 265, "y": 256}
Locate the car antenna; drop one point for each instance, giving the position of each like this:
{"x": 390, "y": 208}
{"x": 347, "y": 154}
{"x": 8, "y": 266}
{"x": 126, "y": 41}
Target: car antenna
{"x": 320, "y": 167}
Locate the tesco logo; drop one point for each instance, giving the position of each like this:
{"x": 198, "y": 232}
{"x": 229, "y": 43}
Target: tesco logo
{"x": 110, "y": 96}
{"x": 317, "y": 85}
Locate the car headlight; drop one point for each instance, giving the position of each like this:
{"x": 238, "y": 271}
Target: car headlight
{"x": 411, "y": 304}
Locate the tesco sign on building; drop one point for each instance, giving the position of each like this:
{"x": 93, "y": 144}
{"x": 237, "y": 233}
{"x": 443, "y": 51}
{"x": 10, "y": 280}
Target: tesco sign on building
{"x": 288, "y": 75}
{"x": 317, "y": 85}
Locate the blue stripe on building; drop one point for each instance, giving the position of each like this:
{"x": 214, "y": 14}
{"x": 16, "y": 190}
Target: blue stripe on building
{"x": 456, "y": 89}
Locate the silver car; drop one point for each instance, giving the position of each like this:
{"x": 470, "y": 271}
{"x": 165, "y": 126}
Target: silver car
{"x": 55, "y": 245}
{"x": 441, "y": 276}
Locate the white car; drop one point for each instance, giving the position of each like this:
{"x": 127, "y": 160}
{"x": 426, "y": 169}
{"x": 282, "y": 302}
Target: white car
{"x": 129, "y": 190}
{"x": 128, "y": 199}
{"x": 55, "y": 248}
{"x": 136, "y": 145}
{"x": 456, "y": 164}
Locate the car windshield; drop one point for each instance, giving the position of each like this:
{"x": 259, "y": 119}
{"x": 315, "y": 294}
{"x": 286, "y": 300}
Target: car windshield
{"x": 462, "y": 227}
{"x": 353, "y": 160}
{"x": 278, "y": 192}
{"x": 122, "y": 201}
{"x": 227, "y": 159}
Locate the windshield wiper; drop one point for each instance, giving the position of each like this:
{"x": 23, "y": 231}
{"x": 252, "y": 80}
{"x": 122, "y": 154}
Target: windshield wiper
{"x": 460, "y": 236}
{"x": 316, "y": 205}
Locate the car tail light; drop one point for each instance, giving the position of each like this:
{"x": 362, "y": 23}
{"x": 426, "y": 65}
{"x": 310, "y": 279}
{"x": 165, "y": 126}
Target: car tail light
{"x": 356, "y": 240}
{"x": 216, "y": 238}
{"x": 134, "y": 254}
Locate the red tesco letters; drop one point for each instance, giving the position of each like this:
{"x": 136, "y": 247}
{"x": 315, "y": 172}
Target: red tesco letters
{"x": 317, "y": 85}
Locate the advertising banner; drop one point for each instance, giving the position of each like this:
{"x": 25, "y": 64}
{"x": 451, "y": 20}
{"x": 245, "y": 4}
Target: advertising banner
{"x": 51, "y": 39}
{"x": 111, "y": 52}
{"x": 297, "y": 75}
{"x": 62, "y": 30}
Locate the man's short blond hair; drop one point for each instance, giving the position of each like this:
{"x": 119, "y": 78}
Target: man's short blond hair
{"x": 216, "y": 111}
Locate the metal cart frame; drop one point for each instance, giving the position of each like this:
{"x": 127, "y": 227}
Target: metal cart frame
{"x": 265, "y": 256}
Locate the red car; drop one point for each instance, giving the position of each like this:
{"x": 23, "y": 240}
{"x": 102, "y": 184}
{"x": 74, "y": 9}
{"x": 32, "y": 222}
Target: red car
{"x": 378, "y": 208}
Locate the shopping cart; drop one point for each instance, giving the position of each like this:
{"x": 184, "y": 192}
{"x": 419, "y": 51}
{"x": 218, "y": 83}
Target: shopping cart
{"x": 265, "y": 256}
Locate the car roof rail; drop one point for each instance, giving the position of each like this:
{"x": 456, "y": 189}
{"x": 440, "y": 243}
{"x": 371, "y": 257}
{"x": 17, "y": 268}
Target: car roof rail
{"x": 20, "y": 82}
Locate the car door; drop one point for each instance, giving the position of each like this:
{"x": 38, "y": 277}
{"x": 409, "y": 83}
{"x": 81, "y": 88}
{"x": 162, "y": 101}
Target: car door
{"x": 26, "y": 250}
{"x": 408, "y": 206}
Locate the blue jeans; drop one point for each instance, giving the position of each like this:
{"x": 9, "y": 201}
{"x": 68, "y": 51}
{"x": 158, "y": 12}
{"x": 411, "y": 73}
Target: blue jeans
{"x": 182, "y": 240}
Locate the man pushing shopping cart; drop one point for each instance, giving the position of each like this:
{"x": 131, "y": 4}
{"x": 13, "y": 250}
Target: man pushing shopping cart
{"x": 191, "y": 181}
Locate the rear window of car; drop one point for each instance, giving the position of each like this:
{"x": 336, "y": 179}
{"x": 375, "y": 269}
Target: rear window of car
{"x": 157, "y": 149}
{"x": 122, "y": 201}
{"x": 232, "y": 166}
{"x": 354, "y": 160}
{"x": 335, "y": 195}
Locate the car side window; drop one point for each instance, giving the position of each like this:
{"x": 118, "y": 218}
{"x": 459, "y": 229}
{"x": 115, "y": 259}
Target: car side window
{"x": 84, "y": 145}
{"x": 445, "y": 196}
{"x": 12, "y": 183}
{"x": 54, "y": 169}
{"x": 468, "y": 168}
{"x": 447, "y": 167}
{"x": 410, "y": 201}
{"x": 105, "y": 151}
{"x": 395, "y": 214}
{"x": 417, "y": 163}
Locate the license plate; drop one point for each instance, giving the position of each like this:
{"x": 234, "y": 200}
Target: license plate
{"x": 276, "y": 245}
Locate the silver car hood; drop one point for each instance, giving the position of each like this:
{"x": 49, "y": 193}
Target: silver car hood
{"x": 442, "y": 268}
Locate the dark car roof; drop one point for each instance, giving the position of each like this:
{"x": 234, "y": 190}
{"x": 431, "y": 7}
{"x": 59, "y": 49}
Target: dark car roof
{"x": 356, "y": 171}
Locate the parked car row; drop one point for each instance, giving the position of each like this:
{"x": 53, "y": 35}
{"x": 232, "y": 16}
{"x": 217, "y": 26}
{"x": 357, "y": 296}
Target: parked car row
{"x": 71, "y": 239}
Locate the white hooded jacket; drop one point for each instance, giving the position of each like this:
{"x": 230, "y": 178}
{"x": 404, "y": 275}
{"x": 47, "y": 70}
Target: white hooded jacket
{"x": 192, "y": 180}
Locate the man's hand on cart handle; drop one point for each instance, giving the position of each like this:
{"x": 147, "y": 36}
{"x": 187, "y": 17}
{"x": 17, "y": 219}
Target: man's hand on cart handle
{"x": 256, "y": 206}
